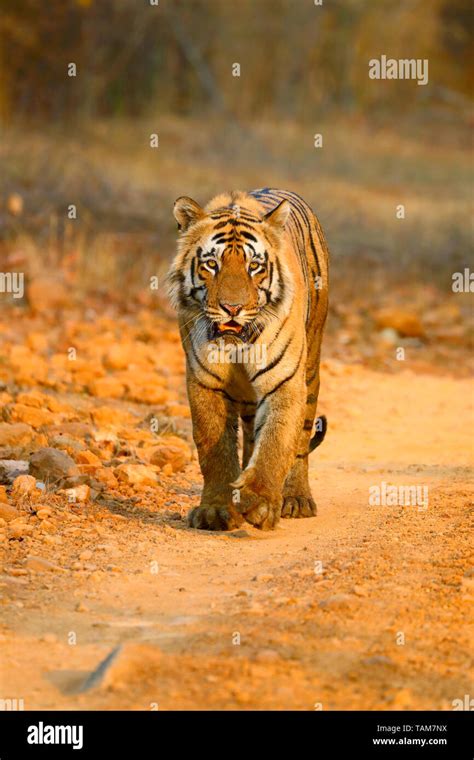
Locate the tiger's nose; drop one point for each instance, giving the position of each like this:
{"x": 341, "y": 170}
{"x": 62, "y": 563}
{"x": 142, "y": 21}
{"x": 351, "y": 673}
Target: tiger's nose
{"x": 232, "y": 308}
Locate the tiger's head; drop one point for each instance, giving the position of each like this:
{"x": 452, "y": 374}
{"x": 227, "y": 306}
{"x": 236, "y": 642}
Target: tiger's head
{"x": 228, "y": 272}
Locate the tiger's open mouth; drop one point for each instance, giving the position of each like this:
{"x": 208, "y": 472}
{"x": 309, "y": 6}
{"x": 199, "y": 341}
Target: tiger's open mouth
{"x": 230, "y": 329}
{"x": 234, "y": 327}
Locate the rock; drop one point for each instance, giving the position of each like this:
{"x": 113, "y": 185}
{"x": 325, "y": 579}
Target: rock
{"x": 15, "y": 572}
{"x": 263, "y": 577}
{"x": 31, "y": 416}
{"x": 389, "y": 336}
{"x": 406, "y": 323}
{"x": 105, "y": 416}
{"x": 17, "y": 434}
{"x": 19, "y": 528}
{"x": 106, "y": 387}
{"x": 11, "y": 469}
{"x": 8, "y": 512}
{"x": 360, "y": 591}
{"x": 146, "y": 388}
{"x": 42, "y": 513}
{"x": 48, "y": 292}
{"x": 67, "y": 443}
{"x": 39, "y": 565}
{"x": 25, "y": 486}
{"x": 178, "y": 410}
{"x": 33, "y": 398}
{"x": 77, "y": 430}
{"x": 106, "y": 477}
{"x": 37, "y": 341}
{"x": 177, "y": 457}
{"x": 119, "y": 356}
{"x": 3, "y": 495}
{"x": 52, "y": 465}
{"x": 86, "y": 554}
{"x": 377, "y": 659}
{"x": 88, "y": 457}
{"x": 47, "y": 526}
{"x": 78, "y": 494}
{"x": 336, "y": 601}
{"x": 136, "y": 474}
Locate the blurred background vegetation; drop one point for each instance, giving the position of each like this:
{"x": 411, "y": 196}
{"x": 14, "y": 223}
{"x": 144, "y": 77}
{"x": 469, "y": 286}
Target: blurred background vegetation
{"x": 167, "y": 69}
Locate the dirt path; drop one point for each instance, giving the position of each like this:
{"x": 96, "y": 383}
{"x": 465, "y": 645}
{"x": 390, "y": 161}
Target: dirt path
{"x": 363, "y": 607}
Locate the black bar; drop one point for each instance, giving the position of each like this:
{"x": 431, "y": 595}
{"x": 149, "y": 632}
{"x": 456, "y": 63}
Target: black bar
{"x": 140, "y": 734}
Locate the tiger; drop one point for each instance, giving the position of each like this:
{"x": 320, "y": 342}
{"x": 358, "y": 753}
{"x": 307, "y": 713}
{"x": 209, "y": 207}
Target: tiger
{"x": 251, "y": 272}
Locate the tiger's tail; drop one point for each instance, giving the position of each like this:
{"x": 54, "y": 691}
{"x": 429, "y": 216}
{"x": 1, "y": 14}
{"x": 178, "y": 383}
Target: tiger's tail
{"x": 318, "y": 437}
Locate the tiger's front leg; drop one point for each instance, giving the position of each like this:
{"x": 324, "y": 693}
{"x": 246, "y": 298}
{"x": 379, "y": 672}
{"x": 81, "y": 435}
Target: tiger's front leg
{"x": 215, "y": 428}
{"x": 278, "y": 424}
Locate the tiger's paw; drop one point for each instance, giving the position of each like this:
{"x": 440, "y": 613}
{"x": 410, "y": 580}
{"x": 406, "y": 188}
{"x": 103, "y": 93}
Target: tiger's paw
{"x": 259, "y": 507}
{"x": 264, "y": 515}
{"x": 299, "y": 506}
{"x": 207, "y": 517}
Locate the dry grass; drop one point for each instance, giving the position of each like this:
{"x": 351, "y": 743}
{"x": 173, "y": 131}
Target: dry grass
{"x": 124, "y": 192}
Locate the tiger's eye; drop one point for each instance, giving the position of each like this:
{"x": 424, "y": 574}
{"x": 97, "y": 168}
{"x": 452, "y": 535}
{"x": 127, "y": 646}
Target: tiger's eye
{"x": 253, "y": 266}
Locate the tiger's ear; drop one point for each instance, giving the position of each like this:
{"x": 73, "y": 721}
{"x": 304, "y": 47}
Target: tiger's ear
{"x": 186, "y": 212}
{"x": 278, "y": 215}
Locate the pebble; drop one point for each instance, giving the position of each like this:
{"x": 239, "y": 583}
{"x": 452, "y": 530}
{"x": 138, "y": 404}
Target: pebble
{"x": 48, "y": 526}
{"x": 337, "y": 600}
{"x": 8, "y": 513}
{"x": 51, "y": 465}
{"x": 360, "y": 591}
{"x": 15, "y": 572}
{"x": 39, "y": 565}
{"x": 19, "y": 529}
{"x": 113, "y": 569}
{"x": 78, "y": 494}
{"x": 377, "y": 659}
{"x": 43, "y": 513}
{"x": 25, "y": 485}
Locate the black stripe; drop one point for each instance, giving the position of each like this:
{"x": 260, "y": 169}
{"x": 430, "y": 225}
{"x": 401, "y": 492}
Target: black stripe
{"x": 203, "y": 366}
{"x": 219, "y": 390}
{"x": 281, "y": 282}
{"x": 301, "y": 205}
{"x": 273, "y": 364}
{"x": 282, "y": 324}
{"x": 283, "y": 381}
{"x": 193, "y": 291}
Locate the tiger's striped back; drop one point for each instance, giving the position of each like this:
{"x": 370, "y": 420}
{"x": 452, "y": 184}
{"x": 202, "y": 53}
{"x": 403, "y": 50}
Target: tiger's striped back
{"x": 308, "y": 240}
